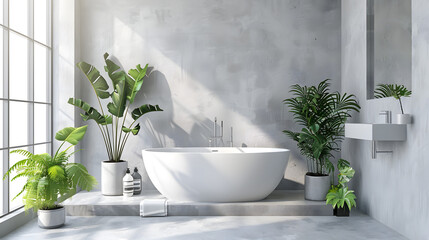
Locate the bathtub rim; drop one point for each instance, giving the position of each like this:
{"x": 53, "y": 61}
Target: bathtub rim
{"x": 170, "y": 150}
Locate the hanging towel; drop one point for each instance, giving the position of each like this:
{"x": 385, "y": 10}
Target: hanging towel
{"x": 153, "y": 207}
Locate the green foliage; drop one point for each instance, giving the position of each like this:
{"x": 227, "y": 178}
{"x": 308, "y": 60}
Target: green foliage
{"x": 71, "y": 135}
{"x": 322, "y": 115}
{"x": 392, "y": 90}
{"x": 125, "y": 89}
{"x": 50, "y": 178}
{"x": 340, "y": 194}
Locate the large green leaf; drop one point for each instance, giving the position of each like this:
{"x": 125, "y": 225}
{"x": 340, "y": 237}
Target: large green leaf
{"x": 97, "y": 81}
{"x": 140, "y": 111}
{"x": 119, "y": 98}
{"x": 90, "y": 112}
{"x": 71, "y": 135}
{"x": 134, "y": 130}
{"x": 112, "y": 70}
{"x": 135, "y": 82}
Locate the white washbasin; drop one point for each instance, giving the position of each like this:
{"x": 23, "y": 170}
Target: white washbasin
{"x": 376, "y": 131}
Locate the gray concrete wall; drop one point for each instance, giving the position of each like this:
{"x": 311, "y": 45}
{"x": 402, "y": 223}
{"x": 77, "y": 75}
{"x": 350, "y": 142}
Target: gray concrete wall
{"x": 231, "y": 59}
{"x": 392, "y": 188}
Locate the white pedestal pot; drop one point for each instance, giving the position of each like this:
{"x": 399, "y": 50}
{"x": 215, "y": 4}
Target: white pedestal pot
{"x": 53, "y": 218}
{"x": 111, "y": 177}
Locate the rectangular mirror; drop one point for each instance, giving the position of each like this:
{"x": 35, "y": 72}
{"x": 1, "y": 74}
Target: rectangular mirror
{"x": 388, "y": 43}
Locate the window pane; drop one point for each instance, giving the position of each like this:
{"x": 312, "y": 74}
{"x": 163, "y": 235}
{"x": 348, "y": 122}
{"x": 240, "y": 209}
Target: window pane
{"x": 1, "y": 61}
{"x": 2, "y": 115}
{"x": 1, "y": 11}
{"x": 2, "y": 211}
{"x": 18, "y": 123}
{"x": 18, "y": 67}
{"x": 16, "y": 185}
{"x": 41, "y": 21}
{"x": 41, "y": 123}
{"x": 19, "y": 15}
{"x": 41, "y": 73}
{"x": 41, "y": 148}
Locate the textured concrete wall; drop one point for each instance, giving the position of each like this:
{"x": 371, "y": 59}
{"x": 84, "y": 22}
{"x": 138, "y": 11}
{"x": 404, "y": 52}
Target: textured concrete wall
{"x": 231, "y": 59}
{"x": 392, "y": 188}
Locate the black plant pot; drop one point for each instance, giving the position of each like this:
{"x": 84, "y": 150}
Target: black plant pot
{"x": 342, "y": 212}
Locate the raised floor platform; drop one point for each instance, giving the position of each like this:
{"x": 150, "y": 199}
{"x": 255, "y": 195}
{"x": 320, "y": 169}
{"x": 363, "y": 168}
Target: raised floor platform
{"x": 279, "y": 203}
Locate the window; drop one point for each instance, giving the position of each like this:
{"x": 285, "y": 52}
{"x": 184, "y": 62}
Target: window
{"x": 25, "y": 87}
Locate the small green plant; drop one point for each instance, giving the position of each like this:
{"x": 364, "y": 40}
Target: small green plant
{"x": 340, "y": 194}
{"x": 125, "y": 89}
{"x": 392, "y": 90}
{"x": 51, "y": 178}
{"x": 322, "y": 115}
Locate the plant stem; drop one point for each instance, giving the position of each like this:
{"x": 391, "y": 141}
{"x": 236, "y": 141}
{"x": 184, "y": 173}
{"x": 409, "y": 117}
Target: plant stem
{"x": 120, "y": 134}
{"x": 107, "y": 128}
{"x": 109, "y": 151}
{"x": 400, "y": 103}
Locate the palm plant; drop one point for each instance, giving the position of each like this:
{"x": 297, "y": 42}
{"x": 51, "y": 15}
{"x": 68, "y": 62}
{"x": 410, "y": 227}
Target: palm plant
{"x": 392, "y": 90}
{"x": 322, "y": 115}
{"x": 125, "y": 89}
{"x": 50, "y": 178}
{"x": 340, "y": 194}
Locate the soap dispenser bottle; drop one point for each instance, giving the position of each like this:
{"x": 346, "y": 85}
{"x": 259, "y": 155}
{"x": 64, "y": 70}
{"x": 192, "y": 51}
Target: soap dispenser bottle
{"x": 137, "y": 181}
{"x": 128, "y": 184}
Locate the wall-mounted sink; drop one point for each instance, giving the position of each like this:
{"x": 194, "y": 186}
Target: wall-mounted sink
{"x": 376, "y": 131}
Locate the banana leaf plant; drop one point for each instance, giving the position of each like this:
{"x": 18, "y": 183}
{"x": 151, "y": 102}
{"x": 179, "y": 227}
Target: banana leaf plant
{"x": 51, "y": 178}
{"x": 124, "y": 90}
{"x": 322, "y": 115}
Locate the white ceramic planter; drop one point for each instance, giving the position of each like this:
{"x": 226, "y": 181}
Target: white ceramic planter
{"x": 403, "y": 118}
{"x": 54, "y": 218}
{"x": 111, "y": 177}
{"x": 316, "y": 187}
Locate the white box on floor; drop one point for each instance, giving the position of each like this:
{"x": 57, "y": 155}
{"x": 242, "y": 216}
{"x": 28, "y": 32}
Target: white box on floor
{"x": 153, "y": 208}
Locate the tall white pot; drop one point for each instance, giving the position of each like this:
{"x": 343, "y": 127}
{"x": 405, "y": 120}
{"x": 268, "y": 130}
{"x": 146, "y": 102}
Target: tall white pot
{"x": 111, "y": 177}
{"x": 53, "y": 218}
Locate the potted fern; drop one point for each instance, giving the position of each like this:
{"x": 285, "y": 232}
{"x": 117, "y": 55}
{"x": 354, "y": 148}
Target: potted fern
{"x": 322, "y": 115}
{"x": 398, "y": 92}
{"x": 340, "y": 196}
{"x": 111, "y": 123}
{"x": 51, "y": 179}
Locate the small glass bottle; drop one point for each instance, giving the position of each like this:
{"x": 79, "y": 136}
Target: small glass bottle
{"x": 137, "y": 181}
{"x": 128, "y": 184}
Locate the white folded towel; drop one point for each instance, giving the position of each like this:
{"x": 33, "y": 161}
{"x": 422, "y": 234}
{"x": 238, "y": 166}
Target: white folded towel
{"x": 153, "y": 207}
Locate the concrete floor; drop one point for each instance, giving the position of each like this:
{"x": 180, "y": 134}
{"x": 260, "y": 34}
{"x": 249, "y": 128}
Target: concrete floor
{"x": 221, "y": 227}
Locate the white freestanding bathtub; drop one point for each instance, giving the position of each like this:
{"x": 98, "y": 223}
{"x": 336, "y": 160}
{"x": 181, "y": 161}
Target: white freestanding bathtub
{"x": 215, "y": 174}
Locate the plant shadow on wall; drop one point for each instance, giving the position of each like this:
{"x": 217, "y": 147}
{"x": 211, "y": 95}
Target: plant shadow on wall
{"x": 322, "y": 115}
{"x": 163, "y": 131}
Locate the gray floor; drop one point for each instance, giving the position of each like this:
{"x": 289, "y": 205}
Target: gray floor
{"x": 220, "y": 227}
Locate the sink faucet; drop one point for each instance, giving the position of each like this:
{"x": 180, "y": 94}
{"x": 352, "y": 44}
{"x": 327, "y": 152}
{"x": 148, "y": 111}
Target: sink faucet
{"x": 388, "y": 115}
{"x": 213, "y": 139}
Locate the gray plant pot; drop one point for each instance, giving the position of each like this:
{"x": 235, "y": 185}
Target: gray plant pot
{"x": 111, "y": 177}
{"x": 54, "y": 218}
{"x": 316, "y": 187}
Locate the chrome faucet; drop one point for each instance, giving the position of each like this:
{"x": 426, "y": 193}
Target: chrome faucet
{"x": 231, "y": 139}
{"x": 213, "y": 139}
{"x": 388, "y": 114}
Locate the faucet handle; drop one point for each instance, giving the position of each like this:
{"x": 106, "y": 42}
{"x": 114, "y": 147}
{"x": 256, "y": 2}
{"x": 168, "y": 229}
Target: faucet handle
{"x": 388, "y": 114}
